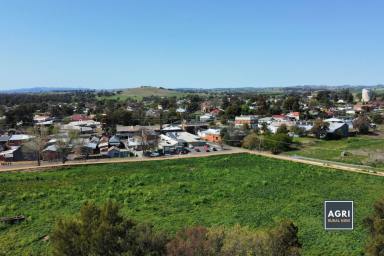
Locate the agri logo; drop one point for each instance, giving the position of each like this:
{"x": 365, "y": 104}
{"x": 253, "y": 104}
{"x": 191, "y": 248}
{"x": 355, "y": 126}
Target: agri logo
{"x": 338, "y": 215}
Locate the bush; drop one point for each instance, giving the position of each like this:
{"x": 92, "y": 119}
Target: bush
{"x": 375, "y": 225}
{"x": 281, "y": 241}
{"x": 190, "y": 242}
{"x": 377, "y": 118}
{"x": 103, "y": 231}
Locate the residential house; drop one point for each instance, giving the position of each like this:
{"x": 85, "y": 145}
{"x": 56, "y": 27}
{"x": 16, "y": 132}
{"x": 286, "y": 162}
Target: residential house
{"x": 19, "y": 139}
{"x": 211, "y": 135}
{"x": 80, "y": 117}
{"x": 12, "y": 154}
{"x": 50, "y": 153}
{"x": 91, "y": 145}
{"x": 4, "y": 139}
{"x": 83, "y": 127}
{"x": 41, "y": 119}
{"x": 294, "y": 115}
{"x": 117, "y": 152}
{"x": 103, "y": 144}
{"x": 207, "y": 118}
{"x": 125, "y": 132}
{"x": 171, "y": 128}
{"x": 167, "y": 144}
{"x": 186, "y": 139}
{"x": 215, "y": 112}
{"x": 194, "y": 126}
{"x": 337, "y": 130}
{"x": 250, "y": 120}
{"x": 114, "y": 141}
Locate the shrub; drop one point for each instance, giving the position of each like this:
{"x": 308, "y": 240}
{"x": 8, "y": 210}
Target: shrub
{"x": 190, "y": 242}
{"x": 251, "y": 141}
{"x": 103, "y": 231}
{"x": 377, "y": 118}
{"x": 375, "y": 225}
{"x": 281, "y": 241}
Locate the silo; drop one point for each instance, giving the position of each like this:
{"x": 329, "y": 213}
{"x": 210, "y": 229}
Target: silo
{"x": 365, "y": 95}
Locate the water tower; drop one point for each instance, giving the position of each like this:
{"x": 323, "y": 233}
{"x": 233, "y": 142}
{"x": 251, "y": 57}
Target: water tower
{"x": 365, "y": 95}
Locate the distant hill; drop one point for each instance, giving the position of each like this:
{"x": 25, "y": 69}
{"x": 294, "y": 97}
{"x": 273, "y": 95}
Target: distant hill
{"x": 146, "y": 91}
{"x": 43, "y": 90}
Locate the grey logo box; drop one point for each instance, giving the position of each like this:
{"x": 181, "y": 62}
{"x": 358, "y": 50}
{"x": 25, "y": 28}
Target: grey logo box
{"x": 338, "y": 215}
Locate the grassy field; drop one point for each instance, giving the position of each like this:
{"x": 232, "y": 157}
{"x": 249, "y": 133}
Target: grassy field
{"x": 218, "y": 190}
{"x": 361, "y": 149}
{"x": 146, "y": 91}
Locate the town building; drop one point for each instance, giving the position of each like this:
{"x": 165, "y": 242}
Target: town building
{"x": 250, "y": 120}
{"x": 210, "y": 135}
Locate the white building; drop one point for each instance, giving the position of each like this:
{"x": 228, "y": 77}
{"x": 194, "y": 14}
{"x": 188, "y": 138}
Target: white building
{"x": 365, "y": 95}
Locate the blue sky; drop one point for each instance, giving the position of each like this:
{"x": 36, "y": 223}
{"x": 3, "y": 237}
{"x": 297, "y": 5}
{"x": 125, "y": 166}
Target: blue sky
{"x": 195, "y": 43}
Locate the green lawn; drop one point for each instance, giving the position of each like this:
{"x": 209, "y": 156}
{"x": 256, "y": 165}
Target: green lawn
{"x": 218, "y": 190}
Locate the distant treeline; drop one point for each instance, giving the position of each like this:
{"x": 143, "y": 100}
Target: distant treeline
{"x": 8, "y": 99}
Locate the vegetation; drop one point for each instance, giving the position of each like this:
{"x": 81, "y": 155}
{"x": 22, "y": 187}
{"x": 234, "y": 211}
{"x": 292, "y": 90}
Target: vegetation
{"x": 320, "y": 128}
{"x": 377, "y": 118}
{"x": 236, "y": 240}
{"x": 104, "y": 231}
{"x": 361, "y": 123}
{"x": 362, "y": 149}
{"x": 276, "y": 143}
{"x": 173, "y": 194}
{"x": 141, "y": 92}
{"x": 375, "y": 225}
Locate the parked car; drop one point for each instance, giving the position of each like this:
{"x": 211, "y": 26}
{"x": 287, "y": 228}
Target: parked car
{"x": 154, "y": 154}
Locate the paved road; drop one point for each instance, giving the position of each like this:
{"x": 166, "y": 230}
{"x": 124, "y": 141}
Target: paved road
{"x": 31, "y": 166}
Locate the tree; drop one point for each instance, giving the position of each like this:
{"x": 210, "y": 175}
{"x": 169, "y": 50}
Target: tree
{"x": 22, "y": 113}
{"x": 251, "y": 141}
{"x": 264, "y": 128}
{"x": 323, "y": 98}
{"x": 291, "y": 103}
{"x": 66, "y": 145}
{"x": 298, "y": 130}
{"x": 362, "y": 124}
{"x": 277, "y": 143}
{"x": 375, "y": 226}
{"x": 285, "y": 240}
{"x": 103, "y": 231}
{"x": 282, "y": 129}
{"x": 320, "y": 128}
{"x": 377, "y": 118}
{"x": 40, "y": 137}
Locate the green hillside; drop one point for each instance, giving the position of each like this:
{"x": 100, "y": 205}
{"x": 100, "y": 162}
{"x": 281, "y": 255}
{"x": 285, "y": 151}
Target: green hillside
{"x": 145, "y": 91}
{"x": 218, "y": 190}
